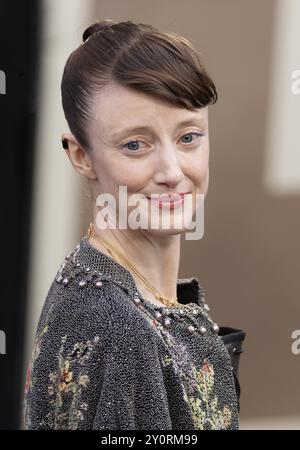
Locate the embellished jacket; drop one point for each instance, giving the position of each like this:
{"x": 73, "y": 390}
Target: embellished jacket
{"x": 105, "y": 358}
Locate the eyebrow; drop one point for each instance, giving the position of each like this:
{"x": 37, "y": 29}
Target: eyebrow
{"x": 144, "y": 128}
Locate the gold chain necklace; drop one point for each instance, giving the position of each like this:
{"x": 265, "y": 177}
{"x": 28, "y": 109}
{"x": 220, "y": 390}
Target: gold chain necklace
{"x": 167, "y": 301}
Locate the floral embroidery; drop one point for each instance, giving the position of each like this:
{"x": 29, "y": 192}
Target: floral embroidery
{"x": 209, "y": 415}
{"x": 197, "y": 393}
{"x": 66, "y": 386}
{"x": 197, "y": 384}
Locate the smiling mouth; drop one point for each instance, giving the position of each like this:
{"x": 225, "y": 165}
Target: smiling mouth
{"x": 168, "y": 198}
{"x": 171, "y": 202}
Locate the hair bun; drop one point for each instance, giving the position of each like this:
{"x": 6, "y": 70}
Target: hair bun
{"x": 97, "y": 26}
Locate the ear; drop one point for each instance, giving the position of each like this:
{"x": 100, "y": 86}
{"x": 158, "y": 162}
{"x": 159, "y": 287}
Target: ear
{"x": 79, "y": 158}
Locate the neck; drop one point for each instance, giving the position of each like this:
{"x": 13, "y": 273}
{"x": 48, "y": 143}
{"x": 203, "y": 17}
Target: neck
{"x": 156, "y": 257}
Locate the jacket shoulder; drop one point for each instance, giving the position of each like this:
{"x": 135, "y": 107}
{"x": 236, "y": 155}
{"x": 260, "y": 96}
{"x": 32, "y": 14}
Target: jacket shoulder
{"x": 105, "y": 310}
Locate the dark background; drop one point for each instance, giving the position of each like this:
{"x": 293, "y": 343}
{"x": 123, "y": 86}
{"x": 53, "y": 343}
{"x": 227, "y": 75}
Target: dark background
{"x": 19, "y": 60}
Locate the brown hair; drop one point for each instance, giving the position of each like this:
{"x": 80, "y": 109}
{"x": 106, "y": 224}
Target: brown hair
{"x": 133, "y": 55}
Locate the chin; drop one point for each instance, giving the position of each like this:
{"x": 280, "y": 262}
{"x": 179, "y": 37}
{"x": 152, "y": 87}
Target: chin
{"x": 166, "y": 232}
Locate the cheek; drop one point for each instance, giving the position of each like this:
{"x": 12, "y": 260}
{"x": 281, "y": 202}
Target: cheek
{"x": 134, "y": 176}
{"x": 120, "y": 171}
{"x": 131, "y": 174}
{"x": 197, "y": 168}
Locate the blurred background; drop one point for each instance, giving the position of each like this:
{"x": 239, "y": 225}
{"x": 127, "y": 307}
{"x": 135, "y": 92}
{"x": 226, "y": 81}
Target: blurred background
{"x": 248, "y": 259}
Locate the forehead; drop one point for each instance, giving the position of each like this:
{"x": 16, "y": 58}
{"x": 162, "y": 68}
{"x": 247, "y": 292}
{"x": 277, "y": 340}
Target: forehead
{"x": 118, "y": 106}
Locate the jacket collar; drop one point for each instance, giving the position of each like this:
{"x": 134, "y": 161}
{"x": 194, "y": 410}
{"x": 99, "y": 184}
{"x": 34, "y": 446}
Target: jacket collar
{"x": 188, "y": 289}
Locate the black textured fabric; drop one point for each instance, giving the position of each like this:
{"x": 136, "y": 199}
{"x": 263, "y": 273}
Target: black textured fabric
{"x": 105, "y": 358}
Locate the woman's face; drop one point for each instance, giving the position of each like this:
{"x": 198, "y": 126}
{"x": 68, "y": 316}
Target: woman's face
{"x": 149, "y": 146}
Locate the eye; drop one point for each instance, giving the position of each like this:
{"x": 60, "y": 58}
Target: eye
{"x": 190, "y": 135}
{"x": 134, "y": 145}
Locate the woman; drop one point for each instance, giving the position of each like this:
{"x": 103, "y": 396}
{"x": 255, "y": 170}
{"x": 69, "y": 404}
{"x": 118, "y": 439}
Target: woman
{"x": 122, "y": 343}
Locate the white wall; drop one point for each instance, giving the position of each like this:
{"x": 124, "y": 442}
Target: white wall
{"x": 282, "y": 160}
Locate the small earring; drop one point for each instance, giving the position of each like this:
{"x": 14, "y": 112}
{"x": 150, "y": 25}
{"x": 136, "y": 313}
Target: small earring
{"x": 65, "y": 143}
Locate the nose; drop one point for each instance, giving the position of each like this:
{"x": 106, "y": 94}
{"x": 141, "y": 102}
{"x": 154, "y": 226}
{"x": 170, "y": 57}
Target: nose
{"x": 168, "y": 168}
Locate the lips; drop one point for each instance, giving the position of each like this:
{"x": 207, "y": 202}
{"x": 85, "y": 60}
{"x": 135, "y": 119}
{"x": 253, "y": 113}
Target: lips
{"x": 171, "y": 201}
{"x": 168, "y": 197}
